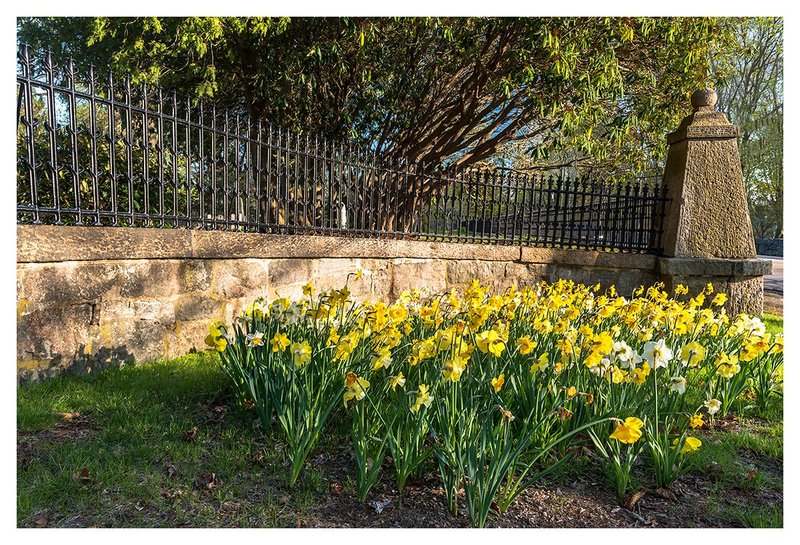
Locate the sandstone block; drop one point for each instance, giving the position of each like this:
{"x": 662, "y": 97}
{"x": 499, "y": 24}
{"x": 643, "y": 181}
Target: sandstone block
{"x": 149, "y": 278}
{"x": 66, "y": 283}
{"x": 194, "y": 275}
{"x": 233, "y": 278}
{"x": 418, "y": 273}
{"x": 284, "y": 273}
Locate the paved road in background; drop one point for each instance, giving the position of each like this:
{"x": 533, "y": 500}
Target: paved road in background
{"x": 774, "y": 282}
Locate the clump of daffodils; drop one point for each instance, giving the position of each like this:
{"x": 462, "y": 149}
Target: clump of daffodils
{"x": 547, "y": 357}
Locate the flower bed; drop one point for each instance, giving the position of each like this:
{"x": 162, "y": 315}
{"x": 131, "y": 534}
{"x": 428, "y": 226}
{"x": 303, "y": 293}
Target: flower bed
{"x": 499, "y": 389}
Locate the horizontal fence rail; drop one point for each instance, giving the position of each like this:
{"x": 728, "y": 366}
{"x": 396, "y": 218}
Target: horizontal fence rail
{"x": 95, "y": 150}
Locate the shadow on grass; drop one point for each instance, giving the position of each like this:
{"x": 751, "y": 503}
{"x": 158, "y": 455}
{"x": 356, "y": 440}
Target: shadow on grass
{"x": 161, "y": 444}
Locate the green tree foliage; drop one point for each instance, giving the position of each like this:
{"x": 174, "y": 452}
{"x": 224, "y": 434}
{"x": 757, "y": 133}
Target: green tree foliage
{"x": 441, "y": 91}
{"x": 751, "y": 93}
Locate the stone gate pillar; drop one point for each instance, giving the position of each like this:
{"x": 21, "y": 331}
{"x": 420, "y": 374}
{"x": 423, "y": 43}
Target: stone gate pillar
{"x": 707, "y": 232}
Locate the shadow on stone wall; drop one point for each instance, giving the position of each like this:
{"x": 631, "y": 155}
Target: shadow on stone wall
{"x": 83, "y": 364}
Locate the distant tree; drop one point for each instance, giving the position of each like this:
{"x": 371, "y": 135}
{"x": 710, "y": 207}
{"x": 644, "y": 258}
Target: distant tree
{"x": 751, "y": 93}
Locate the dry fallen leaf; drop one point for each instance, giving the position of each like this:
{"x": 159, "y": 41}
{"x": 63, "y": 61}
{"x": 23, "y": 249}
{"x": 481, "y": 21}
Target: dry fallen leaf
{"x": 665, "y": 493}
{"x": 207, "y": 480}
{"x": 170, "y": 470}
{"x": 634, "y": 498}
{"x": 69, "y": 417}
{"x": 43, "y": 519}
{"x": 190, "y": 434}
{"x": 172, "y": 494}
{"x": 336, "y": 489}
{"x": 82, "y": 476}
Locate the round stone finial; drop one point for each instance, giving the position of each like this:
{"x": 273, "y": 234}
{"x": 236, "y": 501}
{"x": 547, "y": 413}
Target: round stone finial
{"x": 704, "y": 100}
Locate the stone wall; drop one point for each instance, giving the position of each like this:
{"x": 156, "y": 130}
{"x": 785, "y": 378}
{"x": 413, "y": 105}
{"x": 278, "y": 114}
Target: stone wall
{"x": 769, "y": 246}
{"x": 90, "y": 297}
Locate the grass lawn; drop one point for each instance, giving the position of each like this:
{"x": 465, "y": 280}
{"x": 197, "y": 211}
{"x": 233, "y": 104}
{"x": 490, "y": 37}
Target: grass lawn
{"x": 164, "y": 445}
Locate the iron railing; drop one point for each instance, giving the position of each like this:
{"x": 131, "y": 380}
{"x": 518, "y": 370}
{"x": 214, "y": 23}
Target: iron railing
{"x": 95, "y": 150}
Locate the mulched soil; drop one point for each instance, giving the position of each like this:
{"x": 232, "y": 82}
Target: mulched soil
{"x": 586, "y": 501}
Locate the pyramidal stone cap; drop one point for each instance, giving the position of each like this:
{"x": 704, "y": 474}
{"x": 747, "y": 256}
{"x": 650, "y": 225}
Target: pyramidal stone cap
{"x": 704, "y": 100}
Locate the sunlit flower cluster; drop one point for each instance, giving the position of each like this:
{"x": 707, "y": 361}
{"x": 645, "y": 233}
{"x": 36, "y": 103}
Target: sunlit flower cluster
{"x": 529, "y": 365}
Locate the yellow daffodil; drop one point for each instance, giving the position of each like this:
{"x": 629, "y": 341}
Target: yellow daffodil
{"x": 355, "y": 388}
{"x": 397, "y": 380}
{"x": 346, "y": 345}
{"x": 453, "y": 368}
{"x": 565, "y": 345}
{"x": 629, "y": 431}
{"x": 216, "y": 337}
{"x": 540, "y": 363}
{"x": 301, "y": 353}
{"x": 693, "y": 354}
{"x": 640, "y": 374}
{"x": 309, "y": 289}
{"x": 571, "y": 391}
{"x": 525, "y": 345}
{"x": 255, "y": 311}
{"x": 497, "y": 383}
{"x": 690, "y": 445}
{"x": 279, "y": 342}
{"x": 696, "y": 420}
{"x": 489, "y": 341}
{"x": 726, "y": 365}
{"x": 381, "y": 360}
{"x": 423, "y": 398}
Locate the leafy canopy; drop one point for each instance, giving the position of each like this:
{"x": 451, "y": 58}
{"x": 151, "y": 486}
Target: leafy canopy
{"x": 603, "y": 91}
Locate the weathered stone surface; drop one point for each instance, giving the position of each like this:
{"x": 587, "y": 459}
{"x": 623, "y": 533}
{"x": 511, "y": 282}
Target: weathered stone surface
{"x": 210, "y": 245}
{"x": 752, "y": 267}
{"x": 68, "y": 282}
{"x": 288, "y": 272}
{"x": 194, "y": 275}
{"x": 380, "y": 275}
{"x": 520, "y": 275}
{"x": 56, "y": 243}
{"x": 418, "y": 273}
{"x": 53, "y": 333}
{"x": 196, "y": 307}
{"x": 148, "y": 278}
{"x": 461, "y": 273}
{"x": 587, "y": 258}
{"x": 713, "y": 267}
{"x": 115, "y": 310}
{"x": 186, "y": 337}
{"x": 332, "y": 273}
{"x": 707, "y": 216}
{"x": 746, "y": 295}
{"x": 232, "y": 278}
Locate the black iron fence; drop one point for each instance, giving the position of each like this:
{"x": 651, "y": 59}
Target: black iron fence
{"x": 95, "y": 150}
